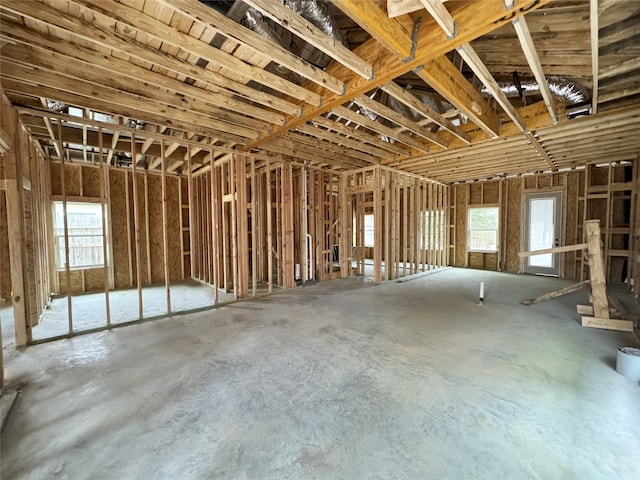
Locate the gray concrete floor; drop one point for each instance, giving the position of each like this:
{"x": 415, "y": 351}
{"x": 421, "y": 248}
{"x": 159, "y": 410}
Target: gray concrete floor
{"x": 89, "y": 309}
{"x": 339, "y": 380}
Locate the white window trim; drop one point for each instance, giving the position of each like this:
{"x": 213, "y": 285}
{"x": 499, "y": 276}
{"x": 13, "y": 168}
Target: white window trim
{"x": 497, "y": 229}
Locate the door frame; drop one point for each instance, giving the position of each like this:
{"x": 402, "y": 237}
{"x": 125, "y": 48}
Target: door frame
{"x": 557, "y": 269}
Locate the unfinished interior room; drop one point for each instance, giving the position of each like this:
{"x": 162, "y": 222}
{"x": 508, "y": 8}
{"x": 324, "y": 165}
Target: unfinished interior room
{"x": 320, "y": 239}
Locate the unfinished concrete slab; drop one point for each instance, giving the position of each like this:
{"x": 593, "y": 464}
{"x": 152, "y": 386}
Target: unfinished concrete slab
{"x": 339, "y": 380}
{"x": 89, "y": 309}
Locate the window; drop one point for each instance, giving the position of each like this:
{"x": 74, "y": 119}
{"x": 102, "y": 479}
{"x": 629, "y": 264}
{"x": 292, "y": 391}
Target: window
{"x": 483, "y": 230}
{"x": 369, "y": 234}
{"x": 433, "y": 230}
{"x": 84, "y": 225}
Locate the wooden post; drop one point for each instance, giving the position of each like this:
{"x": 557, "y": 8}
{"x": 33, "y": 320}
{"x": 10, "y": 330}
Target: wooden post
{"x": 377, "y": 222}
{"x": 278, "y": 223}
{"x": 216, "y": 219}
{"x": 192, "y": 246}
{"x": 103, "y": 202}
{"x": 242, "y": 225}
{"x": 147, "y": 223}
{"x": 405, "y": 226}
{"x": 136, "y": 224}
{"x": 13, "y": 189}
{"x": 66, "y": 232}
{"x": 165, "y": 233}
{"x": 269, "y": 229}
{"x": 342, "y": 215}
{"x": 234, "y": 224}
{"x": 254, "y": 233}
{"x": 596, "y": 269}
{"x": 107, "y": 181}
{"x": 181, "y": 220}
{"x": 430, "y": 227}
{"x": 128, "y": 207}
{"x": 387, "y": 224}
{"x": 288, "y": 277}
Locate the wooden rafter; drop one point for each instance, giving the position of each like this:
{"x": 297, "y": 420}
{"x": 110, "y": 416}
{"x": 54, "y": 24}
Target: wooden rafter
{"x": 399, "y": 119}
{"x": 94, "y": 34}
{"x": 138, "y": 21}
{"x": 543, "y": 153}
{"x": 411, "y": 101}
{"x": 441, "y": 15}
{"x": 442, "y": 75}
{"x": 360, "y": 134}
{"x": 478, "y": 17}
{"x": 304, "y": 29}
{"x": 66, "y": 53}
{"x": 379, "y": 128}
{"x": 472, "y": 59}
{"x": 229, "y": 28}
{"x": 103, "y": 78}
{"x": 526, "y": 41}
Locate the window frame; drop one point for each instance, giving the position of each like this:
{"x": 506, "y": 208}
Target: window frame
{"x": 59, "y": 250}
{"x": 496, "y": 229}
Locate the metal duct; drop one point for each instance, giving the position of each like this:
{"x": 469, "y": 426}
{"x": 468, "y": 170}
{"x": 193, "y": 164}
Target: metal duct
{"x": 254, "y": 20}
{"x": 56, "y": 106}
{"x": 562, "y": 88}
{"x": 316, "y": 13}
{"x": 137, "y": 124}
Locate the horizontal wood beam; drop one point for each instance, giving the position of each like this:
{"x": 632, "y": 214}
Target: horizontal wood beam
{"x": 361, "y": 135}
{"x": 608, "y": 324}
{"x": 381, "y": 129}
{"x": 141, "y": 22}
{"x": 58, "y": 21}
{"x": 565, "y": 248}
{"x": 479, "y": 18}
{"x": 74, "y": 91}
{"x": 68, "y": 52}
{"x": 307, "y": 31}
{"x": 399, "y": 119}
{"x": 405, "y": 97}
{"x": 211, "y": 18}
{"x": 449, "y": 82}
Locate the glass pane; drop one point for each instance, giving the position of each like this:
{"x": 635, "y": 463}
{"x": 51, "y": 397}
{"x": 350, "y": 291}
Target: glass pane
{"x": 84, "y": 229}
{"x": 483, "y": 229}
{"x": 368, "y": 231}
{"x": 541, "y": 230}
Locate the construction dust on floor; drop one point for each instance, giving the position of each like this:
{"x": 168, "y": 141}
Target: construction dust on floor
{"x": 339, "y": 380}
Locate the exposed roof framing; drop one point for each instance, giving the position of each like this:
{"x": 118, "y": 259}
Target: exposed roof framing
{"x": 451, "y": 90}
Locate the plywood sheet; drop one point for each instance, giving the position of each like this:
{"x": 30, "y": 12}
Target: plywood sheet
{"x": 76, "y": 281}
{"x": 72, "y": 179}
{"x": 119, "y": 216}
{"x": 491, "y": 192}
{"x": 94, "y": 279}
{"x": 156, "y": 244}
{"x": 54, "y": 169}
{"x": 174, "y": 228}
{"x": 475, "y": 193}
{"x": 513, "y": 224}
{"x": 91, "y": 179}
